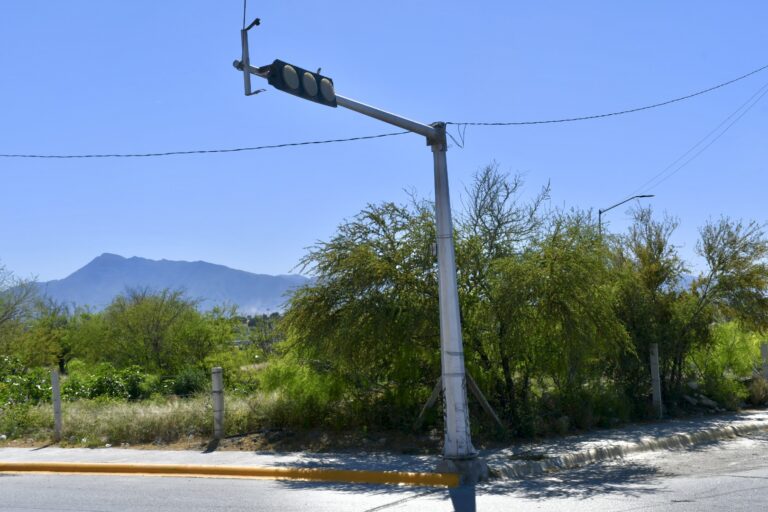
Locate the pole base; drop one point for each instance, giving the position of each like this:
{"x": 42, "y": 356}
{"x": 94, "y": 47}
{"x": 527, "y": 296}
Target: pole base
{"x": 471, "y": 471}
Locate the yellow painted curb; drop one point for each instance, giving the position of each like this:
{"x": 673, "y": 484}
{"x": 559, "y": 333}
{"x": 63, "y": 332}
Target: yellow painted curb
{"x": 315, "y": 474}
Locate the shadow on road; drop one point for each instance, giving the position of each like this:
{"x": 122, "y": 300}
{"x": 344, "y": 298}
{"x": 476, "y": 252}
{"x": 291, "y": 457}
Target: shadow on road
{"x": 624, "y": 478}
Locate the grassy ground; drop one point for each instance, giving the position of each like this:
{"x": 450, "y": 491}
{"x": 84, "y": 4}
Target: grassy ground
{"x": 252, "y": 423}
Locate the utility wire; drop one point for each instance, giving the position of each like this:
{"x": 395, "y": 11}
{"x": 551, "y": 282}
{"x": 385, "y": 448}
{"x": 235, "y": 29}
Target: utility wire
{"x": 203, "y": 151}
{"x": 763, "y": 91}
{"x": 610, "y": 114}
{"x": 330, "y": 141}
{"x": 662, "y": 176}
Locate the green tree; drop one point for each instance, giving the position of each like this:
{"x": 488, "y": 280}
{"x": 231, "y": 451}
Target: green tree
{"x": 17, "y": 299}
{"x": 44, "y": 340}
{"x": 161, "y": 332}
{"x": 370, "y": 318}
{"x": 553, "y": 320}
{"x": 651, "y": 303}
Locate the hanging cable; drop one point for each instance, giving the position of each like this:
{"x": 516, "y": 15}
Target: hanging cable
{"x": 460, "y": 125}
{"x": 649, "y": 184}
{"x": 204, "y": 151}
{"x": 764, "y": 91}
{"x": 611, "y": 114}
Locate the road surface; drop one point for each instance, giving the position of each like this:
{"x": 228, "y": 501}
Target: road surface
{"x": 730, "y": 475}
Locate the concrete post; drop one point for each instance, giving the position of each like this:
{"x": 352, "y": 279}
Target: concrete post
{"x": 764, "y": 354}
{"x": 217, "y": 390}
{"x": 656, "y": 378}
{"x": 56, "y": 397}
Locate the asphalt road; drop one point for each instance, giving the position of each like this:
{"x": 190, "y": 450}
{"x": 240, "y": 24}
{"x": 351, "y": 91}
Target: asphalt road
{"x": 730, "y": 475}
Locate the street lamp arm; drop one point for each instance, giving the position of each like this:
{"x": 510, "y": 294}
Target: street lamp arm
{"x": 622, "y": 202}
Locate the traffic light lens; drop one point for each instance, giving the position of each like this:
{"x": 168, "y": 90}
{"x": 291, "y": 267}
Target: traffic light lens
{"x": 326, "y": 90}
{"x": 309, "y": 83}
{"x": 290, "y": 77}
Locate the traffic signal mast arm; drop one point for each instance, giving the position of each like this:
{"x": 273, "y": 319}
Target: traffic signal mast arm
{"x": 431, "y": 133}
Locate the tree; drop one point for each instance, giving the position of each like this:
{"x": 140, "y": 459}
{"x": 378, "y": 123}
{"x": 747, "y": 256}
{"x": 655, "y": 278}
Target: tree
{"x": 44, "y": 340}
{"x": 370, "y": 318}
{"x": 736, "y": 282}
{"x": 552, "y": 319}
{"x": 17, "y": 297}
{"x": 650, "y": 304}
{"x": 161, "y": 332}
{"x": 496, "y": 225}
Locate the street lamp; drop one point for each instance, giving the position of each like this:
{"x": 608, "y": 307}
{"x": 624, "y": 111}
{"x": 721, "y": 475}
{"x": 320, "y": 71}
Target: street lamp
{"x": 458, "y": 453}
{"x": 601, "y": 212}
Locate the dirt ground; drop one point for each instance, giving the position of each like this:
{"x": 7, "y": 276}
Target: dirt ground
{"x": 278, "y": 440}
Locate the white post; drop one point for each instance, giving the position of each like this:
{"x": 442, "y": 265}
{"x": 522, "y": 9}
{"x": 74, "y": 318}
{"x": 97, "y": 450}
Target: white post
{"x": 764, "y": 354}
{"x": 56, "y": 396}
{"x": 656, "y": 378}
{"x": 217, "y": 390}
{"x": 458, "y": 441}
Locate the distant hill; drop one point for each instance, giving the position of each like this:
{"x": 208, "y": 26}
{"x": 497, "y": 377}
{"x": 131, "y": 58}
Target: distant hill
{"x": 97, "y": 283}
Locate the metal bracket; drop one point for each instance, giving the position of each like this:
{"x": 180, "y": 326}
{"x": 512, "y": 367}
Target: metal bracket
{"x": 245, "y": 62}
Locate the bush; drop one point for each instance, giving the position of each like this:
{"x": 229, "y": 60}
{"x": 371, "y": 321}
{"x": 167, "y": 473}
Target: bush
{"x": 104, "y": 380}
{"x": 299, "y": 396}
{"x": 24, "y": 420}
{"x": 21, "y": 385}
{"x": 758, "y": 391}
{"x": 727, "y": 392}
{"x": 189, "y": 381}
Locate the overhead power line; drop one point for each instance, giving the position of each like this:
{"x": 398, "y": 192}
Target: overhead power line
{"x": 350, "y": 139}
{"x": 610, "y": 114}
{"x": 704, "y": 143}
{"x": 204, "y": 151}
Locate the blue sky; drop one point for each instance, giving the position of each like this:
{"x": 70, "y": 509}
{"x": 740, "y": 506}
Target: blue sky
{"x": 145, "y": 76}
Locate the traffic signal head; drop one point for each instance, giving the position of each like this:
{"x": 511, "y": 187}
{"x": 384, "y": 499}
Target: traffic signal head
{"x": 302, "y": 83}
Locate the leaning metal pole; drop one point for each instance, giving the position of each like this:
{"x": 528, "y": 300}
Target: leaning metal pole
{"x": 458, "y": 442}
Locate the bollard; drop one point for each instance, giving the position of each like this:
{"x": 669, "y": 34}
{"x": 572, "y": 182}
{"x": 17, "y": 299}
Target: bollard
{"x": 764, "y": 354}
{"x": 56, "y": 396}
{"x": 217, "y": 391}
{"x": 656, "y": 378}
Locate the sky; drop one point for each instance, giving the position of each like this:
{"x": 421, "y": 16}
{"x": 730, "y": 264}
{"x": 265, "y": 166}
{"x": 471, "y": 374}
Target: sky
{"x": 82, "y": 77}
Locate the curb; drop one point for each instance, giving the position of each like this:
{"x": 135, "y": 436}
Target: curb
{"x": 572, "y": 460}
{"x": 310, "y": 474}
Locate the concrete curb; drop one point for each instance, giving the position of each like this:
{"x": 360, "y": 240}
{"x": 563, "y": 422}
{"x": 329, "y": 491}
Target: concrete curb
{"x": 281, "y": 473}
{"x": 516, "y": 469}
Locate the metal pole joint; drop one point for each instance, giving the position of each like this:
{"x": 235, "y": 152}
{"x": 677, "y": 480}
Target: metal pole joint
{"x": 438, "y": 139}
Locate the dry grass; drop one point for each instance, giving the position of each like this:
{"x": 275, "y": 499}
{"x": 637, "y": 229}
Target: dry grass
{"x": 159, "y": 421}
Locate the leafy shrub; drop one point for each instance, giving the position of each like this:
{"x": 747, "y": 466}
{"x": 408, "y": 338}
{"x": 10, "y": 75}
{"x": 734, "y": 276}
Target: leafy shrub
{"x": 104, "y": 380}
{"x": 239, "y": 368}
{"x": 190, "y": 380}
{"x": 758, "y": 391}
{"x": 300, "y": 396}
{"x": 734, "y": 352}
{"x": 729, "y": 393}
{"x": 21, "y": 385}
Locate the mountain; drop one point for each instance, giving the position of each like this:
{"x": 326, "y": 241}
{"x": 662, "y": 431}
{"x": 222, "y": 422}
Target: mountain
{"x": 97, "y": 283}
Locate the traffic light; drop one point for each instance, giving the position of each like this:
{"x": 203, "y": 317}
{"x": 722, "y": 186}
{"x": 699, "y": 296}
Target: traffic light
{"x": 302, "y": 83}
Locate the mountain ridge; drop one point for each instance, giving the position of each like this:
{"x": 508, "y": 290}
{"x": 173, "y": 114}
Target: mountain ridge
{"x": 97, "y": 283}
